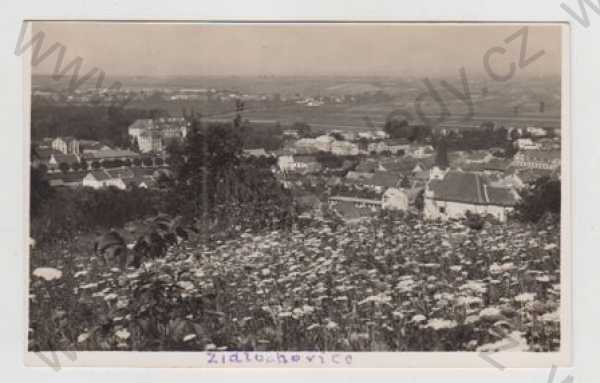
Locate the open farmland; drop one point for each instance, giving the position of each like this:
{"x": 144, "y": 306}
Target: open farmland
{"x": 385, "y": 283}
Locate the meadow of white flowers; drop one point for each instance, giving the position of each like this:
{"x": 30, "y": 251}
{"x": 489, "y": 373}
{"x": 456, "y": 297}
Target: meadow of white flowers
{"x": 383, "y": 284}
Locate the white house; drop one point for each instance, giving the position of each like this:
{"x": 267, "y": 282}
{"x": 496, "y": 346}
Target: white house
{"x": 422, "y": 151}
{"x": 395, "y": 199}
{"x": 526, "y": 144}
{"x": 536, "y": 132}
{"x": 66, "y": 145}
{"x": 323, "y": 143}
{"x": 389, "y": 146}
{"x": 367, "y": 135}
{"x": 286, "y": 163}
{"x": 344, "y": 148}
{"x": 99, "y": 179}
{"x": 459, "y": 192}
{"x": 290, "y": 133}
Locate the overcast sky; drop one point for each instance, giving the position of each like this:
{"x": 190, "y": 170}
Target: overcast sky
{"x": 155, "y": 49}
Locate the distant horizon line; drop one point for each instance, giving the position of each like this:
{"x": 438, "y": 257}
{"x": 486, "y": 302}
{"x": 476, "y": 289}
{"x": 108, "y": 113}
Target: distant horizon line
{"x": 412, "y": 77}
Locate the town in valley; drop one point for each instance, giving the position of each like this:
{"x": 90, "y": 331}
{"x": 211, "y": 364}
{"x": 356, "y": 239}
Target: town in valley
{"x": 297, "y": 212}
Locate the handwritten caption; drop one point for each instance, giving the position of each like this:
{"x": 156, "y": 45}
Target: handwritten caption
{"x": 277, "y": 358}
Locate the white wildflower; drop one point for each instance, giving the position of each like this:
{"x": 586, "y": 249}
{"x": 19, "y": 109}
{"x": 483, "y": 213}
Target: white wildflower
{"x": 189, "y": 337}
{"x": 525, "y": 297}
{"x": 186, "y": 285}
{"x": 47, "y": 273}
{"x": 490, "y": 313}
{"x": 110, "y": 297}
{"x": 80, "y": 273}
{"x": 83, "y": 337}
{"x": 551, "y": 317}
{"x": 123, "y": 334}
{"x": 331, "y": 325}
{"x": 439, "y": 324}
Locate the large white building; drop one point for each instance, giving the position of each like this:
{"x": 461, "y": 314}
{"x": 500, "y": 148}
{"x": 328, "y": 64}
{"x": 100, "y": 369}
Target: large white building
{"x": 150, "y": 141}
{"x": 456, "y": 193}
{"x": 66, "y": 145}
{"x": 151, "y": 134}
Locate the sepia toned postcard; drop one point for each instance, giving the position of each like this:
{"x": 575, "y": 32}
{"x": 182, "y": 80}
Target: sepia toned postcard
{"x": 297, "y": 194}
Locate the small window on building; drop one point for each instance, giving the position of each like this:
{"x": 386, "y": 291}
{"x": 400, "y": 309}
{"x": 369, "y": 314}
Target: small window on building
{"x": 442, "y": 210}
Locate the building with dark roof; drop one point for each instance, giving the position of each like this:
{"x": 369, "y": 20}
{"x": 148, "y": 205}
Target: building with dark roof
{"x": 71, "y": 179}
{"x": 383, "y": 180}
{"x": 458, "y": 192}
{"x": 110, "y": 154}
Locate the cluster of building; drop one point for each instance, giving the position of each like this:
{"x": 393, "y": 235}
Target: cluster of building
{"x": 120, "y": 178}
{"x": 153, "y": 135}
{"x": 476, "y": 181}
{"x": 75, "y": 162}
{"x": 76, "y": 154}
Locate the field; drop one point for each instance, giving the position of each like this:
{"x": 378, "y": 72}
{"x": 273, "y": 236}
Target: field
{"x": 373, "y": 115}
{"x": 497, "y": 103}
{"x": 384, "y": 284}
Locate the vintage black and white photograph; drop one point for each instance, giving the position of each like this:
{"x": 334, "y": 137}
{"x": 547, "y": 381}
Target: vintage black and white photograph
{"x": 251, "y": 190}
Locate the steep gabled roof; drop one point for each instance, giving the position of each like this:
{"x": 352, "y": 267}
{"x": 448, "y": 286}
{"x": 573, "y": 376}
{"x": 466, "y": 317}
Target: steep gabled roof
{"x": 120, "y": 173}
{"x": 100, "y": 175}
{"x": 366, "y": 166}
{"x": 44, "y": 154}
{"x": 500, "y": 196}
{"x": 142, "y": 123}
{"x": 66, "y": 158}
{"x": 110, "y": 153}
{"x": 305, "y": 159}
{"x": 459, "y": 187}
{"x": 384, "y": 179}
{"x": 470, "y": 188}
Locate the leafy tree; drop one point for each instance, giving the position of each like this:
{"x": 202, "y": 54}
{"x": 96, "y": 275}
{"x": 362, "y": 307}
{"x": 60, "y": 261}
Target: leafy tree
{"x": 474, "y": 221}
{"x": 95, "y": 122}
{"x": 64, "y": 167}
{"x": 514, "y": 135}
{"x": 214, "y": 183}
{"x": 337, "y": 136}
{"x": 441, "y": 155}
{"x": 329, "y": 161}
{"x": 539, "y": 199}
{"x": 510, "y": 149}
{"x": 303, "y": 129}
{"x": 134, "y": 146}
{"x": 397, "y": 128}
{"x": 40, "y": 190}
{"x": 420, "y": 200}
{"x": 405, "y": 183}
{"x": 60, "y": 214}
